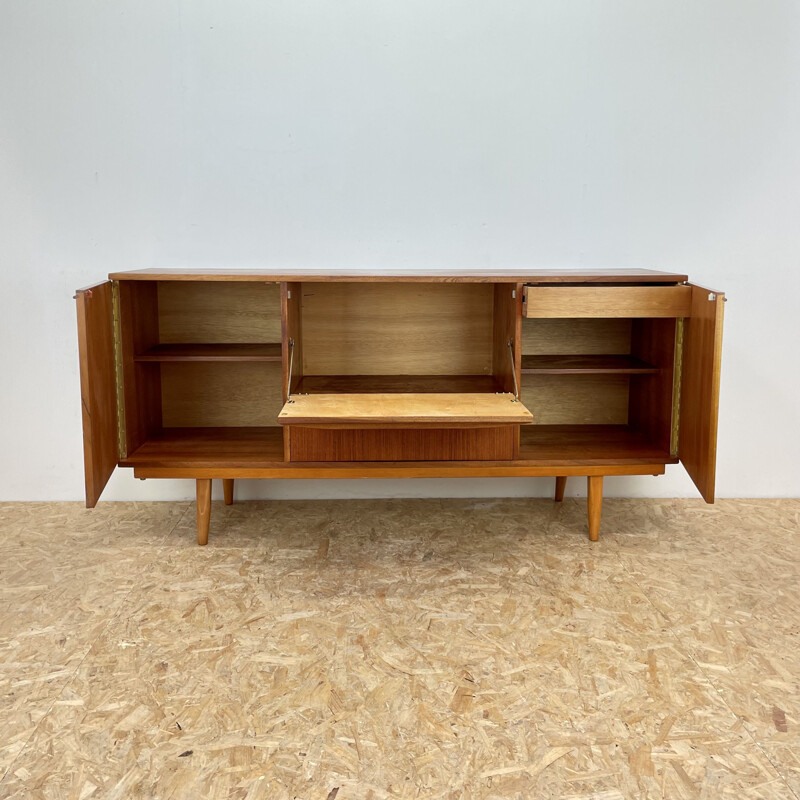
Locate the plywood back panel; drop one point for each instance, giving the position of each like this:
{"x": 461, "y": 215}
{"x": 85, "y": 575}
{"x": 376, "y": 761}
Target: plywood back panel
{"x": 576, "y": 399}
{"x": 231, "y": 394}
{"x": 397, "y": 329}
{"x": 198, "y": 312}
{"x": 568, "y": 337}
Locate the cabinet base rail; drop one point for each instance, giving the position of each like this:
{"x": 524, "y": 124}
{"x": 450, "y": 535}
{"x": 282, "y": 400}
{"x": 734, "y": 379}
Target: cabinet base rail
{"x": 594, "y": 503}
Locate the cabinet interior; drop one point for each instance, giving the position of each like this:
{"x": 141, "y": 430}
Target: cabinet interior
{"x": 599, "y": 380}
{"x": 205, "y": 362}
{"x": 200, "y": 355}
{"x": 406, "y": 337}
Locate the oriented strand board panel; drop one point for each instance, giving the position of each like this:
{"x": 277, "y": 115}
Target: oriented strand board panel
{"x": 232, "y": 394}
{"x": 465, "y": 648}
{"x": 453, "y": 409}
{"x": 200, "y": 312}
{"x": 397, "y": 329}
{"x": 574, "y": 337}
{"x": 576, "y": 399}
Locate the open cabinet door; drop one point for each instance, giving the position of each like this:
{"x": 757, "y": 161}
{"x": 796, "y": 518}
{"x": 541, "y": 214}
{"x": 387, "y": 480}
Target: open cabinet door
{"x": 98, "y": 388}
{"x": 702, "y": 357}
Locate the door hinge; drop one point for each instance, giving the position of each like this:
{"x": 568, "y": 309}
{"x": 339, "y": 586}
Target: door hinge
{"x": 116, "y": 326}
{"x": 677, "y": 379}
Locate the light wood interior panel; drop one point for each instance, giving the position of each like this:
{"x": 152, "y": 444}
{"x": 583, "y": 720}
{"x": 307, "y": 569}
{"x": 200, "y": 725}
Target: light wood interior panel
{"x": 397, "y": 329}
{"x": 607, "y": 301}
{"x": 198, "y": 312}
{"x": 477, "y": 408}
{"x": 233, "y": 394}
{"x": 576, "y": 399}
{"x": 576, "y": 337}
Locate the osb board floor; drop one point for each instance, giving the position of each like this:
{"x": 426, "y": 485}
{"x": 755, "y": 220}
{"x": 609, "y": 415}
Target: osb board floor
{"x": 400, "y": 649}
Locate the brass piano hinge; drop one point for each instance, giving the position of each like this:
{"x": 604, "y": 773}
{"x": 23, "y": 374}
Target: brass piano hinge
{"x": 677, "y": 378}
{"x": 117, "y": 331}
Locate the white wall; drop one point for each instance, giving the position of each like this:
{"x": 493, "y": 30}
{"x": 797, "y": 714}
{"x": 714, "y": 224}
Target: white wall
{"x": 369, "y": 134}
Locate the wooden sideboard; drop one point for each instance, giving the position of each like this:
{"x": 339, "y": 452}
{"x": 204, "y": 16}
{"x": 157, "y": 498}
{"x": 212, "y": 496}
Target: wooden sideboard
{"x": 245, "y": 374}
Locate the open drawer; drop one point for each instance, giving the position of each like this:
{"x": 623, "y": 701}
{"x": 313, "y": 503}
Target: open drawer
{"x": 606, "y": 301}
{"x": 404, "y": 427}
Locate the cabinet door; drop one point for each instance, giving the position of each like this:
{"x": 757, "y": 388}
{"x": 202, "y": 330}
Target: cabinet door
{"x": 98, "y": 388}
{"x": 702, "y": 356}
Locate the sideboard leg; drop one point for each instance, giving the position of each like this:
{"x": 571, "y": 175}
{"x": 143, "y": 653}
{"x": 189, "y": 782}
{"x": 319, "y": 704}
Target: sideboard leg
{"x": 227, "y": 490}
{"x": 203, "y": 509}
{"x": 561, "y": 484}
{"x": 595, "y": 505}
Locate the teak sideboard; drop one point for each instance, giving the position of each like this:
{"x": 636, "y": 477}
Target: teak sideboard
{"x": 247, "y": 374}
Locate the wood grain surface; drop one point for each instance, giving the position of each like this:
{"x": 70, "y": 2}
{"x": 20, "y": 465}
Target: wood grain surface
{"x": 211, "y": 395}
{"x": 402, "y": 276}
{"x": 397, "y": 329}
{"x": 607, "y": 301}
{"x": 98, "y": 388}
{"x": 200, "y": 312}
{"x": 452, "y": 409}
{"x": 576, "y": 336}
{"x": 496, "y": 443}
{"x": 577, "y": 399}
{"x": 699, "y": 415}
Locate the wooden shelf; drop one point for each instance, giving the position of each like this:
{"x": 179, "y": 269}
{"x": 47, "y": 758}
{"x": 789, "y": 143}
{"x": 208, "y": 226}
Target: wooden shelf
{"x": 411, "y": 409}
{"x": 253, "y": 448}
{"x": 586, "y": 365}
{"x": 391, "y": 384}
{"x": 212, "y": 352}
{"x": 588, "y": 444}
{"x": 204, "y": 447}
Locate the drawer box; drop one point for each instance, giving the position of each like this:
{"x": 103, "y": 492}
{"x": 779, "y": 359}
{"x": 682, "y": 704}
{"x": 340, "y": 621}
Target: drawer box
{"x": 606, "y": 301}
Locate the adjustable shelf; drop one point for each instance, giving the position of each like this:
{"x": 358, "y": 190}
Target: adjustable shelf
{"x": 212, "y": 352}
{"x": 585, "y": 365}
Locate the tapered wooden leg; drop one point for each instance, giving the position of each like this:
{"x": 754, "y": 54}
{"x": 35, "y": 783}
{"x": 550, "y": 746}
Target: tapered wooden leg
{"x": 561, "y": 484}
{"x": 203, "y": 509}
{"x": 227, "y": 490}
{"x": 595, "y": 505}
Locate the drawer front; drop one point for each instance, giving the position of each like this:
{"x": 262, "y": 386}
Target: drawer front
{"x": 607, "y": 301}
{"x": 498, "y": 443}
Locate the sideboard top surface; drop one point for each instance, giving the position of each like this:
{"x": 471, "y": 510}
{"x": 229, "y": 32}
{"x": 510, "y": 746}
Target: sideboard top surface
{"x": 408, "y": 276}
